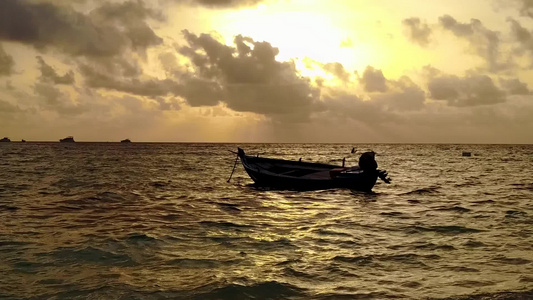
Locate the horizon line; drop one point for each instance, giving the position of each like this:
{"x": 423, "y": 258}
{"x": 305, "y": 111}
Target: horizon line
{"x": 206, "y": 142}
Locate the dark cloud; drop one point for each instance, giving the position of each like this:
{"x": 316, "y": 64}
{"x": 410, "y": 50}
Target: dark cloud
{"x": 200, "y": 92}
{"x": 418, "y": 32}
{"x": 246, "y": 77}
{"x": 105, "y": 31}
{"x": 338, "y": 70}
{"x": 250, "y": 76}
{"x": 527, "y": 8}
{"x": 6, "y": 63}
{"x": 373, "y": 80}
{"x": 48, "y": 74}
{"x": 471, "y": 90}
{"x": 459, "y": 29}
{"x": 54, "y": 99}
{"x": 341, "y": 105}
{"x": 515, "y": 86}
{"x": 524, "y": 38}
{"x": 149, "y": 87}
{"x": 404, "y": 95}
{"x": 6, "y": 107}
{"x": 226, "y": 3}
{"x": 401, "y": 99}
{"x": 197, "y": 91}
{"x": 521, "y": 34}
{"x": 334, "y": 68}
{"x": 484, "y": 42}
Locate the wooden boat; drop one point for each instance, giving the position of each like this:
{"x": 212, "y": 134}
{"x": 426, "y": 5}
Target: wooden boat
{"x": 298, "y": 175}
{"x": 5, "y": 140}
{"x": 126, "y": 141}
{"x": 68, "y": 139}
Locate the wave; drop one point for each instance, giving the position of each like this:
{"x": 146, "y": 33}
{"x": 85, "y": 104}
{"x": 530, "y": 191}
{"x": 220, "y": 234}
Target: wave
{"x": 511, "y": 260}
{"x": 223, "y": 224}
{"x": 454, "y": 208}
{"x": 375, "y": 260}
{"x": 261, "y": 290}
{"x": 424, "y": 191}
{"x": 450, "y": 229}
{"x": 349, "y": 296}
{"x": 202, "y": 263}
{"x": 508, "y": 295}
{"x": 92, "y": 255}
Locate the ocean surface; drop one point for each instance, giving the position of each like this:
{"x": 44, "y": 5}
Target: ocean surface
{"x": 159, "y": 221}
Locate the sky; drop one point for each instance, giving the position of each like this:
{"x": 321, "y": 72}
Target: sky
{"x": 336, "y": 71}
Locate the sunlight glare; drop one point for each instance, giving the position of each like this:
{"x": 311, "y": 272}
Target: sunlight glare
{"x": 297, "y": 34}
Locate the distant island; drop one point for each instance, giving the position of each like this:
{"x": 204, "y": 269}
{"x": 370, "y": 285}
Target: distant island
{"x": 5, "y": 140}
{"x": 68, "y": 139}
{"x": 126, "y": 141}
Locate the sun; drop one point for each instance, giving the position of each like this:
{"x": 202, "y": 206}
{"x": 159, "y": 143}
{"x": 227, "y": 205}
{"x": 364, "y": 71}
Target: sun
{"x": 298, "y": 34}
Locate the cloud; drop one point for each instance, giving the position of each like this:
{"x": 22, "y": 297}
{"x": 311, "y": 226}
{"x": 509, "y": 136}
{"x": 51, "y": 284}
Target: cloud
{"x": 338, "y": 70}
{"x": 515, "y": 86}
{"x": 6, "y": 63}
{"x": 197, "y": 91}
{"x": 527, "y": 8}
{"x": 106, "y": 31}
{"x": 334, "y": 68}
{"x": 404, "y": 95}
{"x": 340, "y": 105}
{"x": 401, "y": 99}
{"x": 48, "y": 74}
{"x": 484, "y": 42}
{"x": 53, "y": 99}
{"x": 251, "y": 78}
{"x": 6, "y": 107}
{"x": 373, "y": 80}
{"x": 95, "y": 78}
{"x": 226, "y": 3}
{"x": 459, "y": 29}
{"x": 471, "y": 90}
{"x": 418, "y": 32}
{"x": 524, "y": 38}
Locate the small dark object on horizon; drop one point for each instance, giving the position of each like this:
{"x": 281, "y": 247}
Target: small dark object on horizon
{"x": 5, "y": 140}
{"x": 126, "y": 141}
{"x": 467, "y": 153}
{"x": 68, "y": 139}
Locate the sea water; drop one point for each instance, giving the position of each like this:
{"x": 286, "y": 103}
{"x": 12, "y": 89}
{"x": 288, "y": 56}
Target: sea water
{"x": 160, "y": 221}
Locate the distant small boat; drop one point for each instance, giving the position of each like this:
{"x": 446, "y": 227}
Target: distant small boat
{"x": 298, "y": 175}
{"x": 126, "y": 141}
{"x": 467, "y": 153}
{"x": 68, "y": 139}
{"x": 23, "y": 141}
{"x": 5, "y": 140}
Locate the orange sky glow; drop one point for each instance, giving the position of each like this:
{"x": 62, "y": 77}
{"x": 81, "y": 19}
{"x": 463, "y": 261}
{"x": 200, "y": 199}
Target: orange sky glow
{"x": 267, "y": 71}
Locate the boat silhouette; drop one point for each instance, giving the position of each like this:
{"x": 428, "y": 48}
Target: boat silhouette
{"x": 298, "y": 175}
{"x": 68, "y": 139}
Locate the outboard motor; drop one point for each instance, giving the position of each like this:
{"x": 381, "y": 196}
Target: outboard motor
{"x": 367, "y": 162}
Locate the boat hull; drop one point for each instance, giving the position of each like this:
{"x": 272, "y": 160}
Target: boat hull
{"x": 321, "y": 176}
